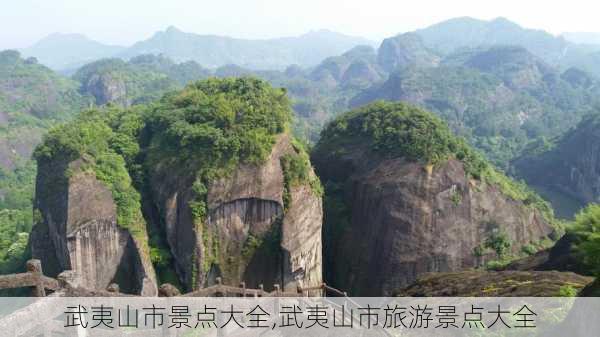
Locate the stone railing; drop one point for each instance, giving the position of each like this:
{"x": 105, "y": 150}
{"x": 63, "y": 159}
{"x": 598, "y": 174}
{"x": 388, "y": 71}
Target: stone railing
{"x": 34, "y": 278}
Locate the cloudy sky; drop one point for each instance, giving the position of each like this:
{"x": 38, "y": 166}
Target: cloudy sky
{"x": 22, "y": 22}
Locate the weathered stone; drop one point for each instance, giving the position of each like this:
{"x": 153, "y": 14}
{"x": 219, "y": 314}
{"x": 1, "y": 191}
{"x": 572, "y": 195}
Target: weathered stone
{"x": 561, "y": 257}
{"x": 568, "y": 175}
{"x": 492, "y": 284}
{"x": 106, "y": 88}
{"x": 168, "y": 290}
{"x": 79, "y": 231}
{"x": 249, "y": 235}
{"x": 407, "y": 219}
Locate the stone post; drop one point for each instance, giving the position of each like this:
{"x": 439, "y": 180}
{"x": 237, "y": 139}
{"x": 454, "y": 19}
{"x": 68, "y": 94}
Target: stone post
{"x": 35, "y": 268}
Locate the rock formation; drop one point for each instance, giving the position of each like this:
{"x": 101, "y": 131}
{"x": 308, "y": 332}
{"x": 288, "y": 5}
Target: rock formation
{"x": 497, "y": 284}
{"x": 212, "y": 174}
{"x": 405, "y": 50}
{"x": 258, "y": 229}
{"x": 107, "y": 88}
{"x": 402, "y": 217}
{"x": 567, "y": 172}
{"x": 77, "y": 230}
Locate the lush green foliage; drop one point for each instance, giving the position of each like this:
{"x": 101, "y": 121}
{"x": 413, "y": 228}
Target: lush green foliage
{"x": 565, "y": 154}
{"x": 586, "y": 228}
{"x": 297, "y": 171}
{"x": 220, "y": 121}
{"x": 499, "y": 242}
{"x": 207, "y": 129}
{"x": 32, "y": 98}
{"x": 16, "y": 215}
{"x": 32, "y": 89}
{"x": 401, "y": 130}
{"x": 14, "y": 228}
{"x": 133, "y": 83}
{"x": 197, "y": 134}
{"x": 392, "y": 130}
{"x": 567, "y": 291}
{"x": 499, "y": 99}
{"x": 103, "y": 149}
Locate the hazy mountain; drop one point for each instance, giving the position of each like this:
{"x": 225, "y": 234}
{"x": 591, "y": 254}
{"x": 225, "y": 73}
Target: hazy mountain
{"x": 465, "y": 32}
{"x": 356, "y": 67}
{"x": 500, "y": 98}
{"x": 405, "y": 50}
{"x": 566, "y": 170}
{"x": 68, "y": 51}
{"x": 214, "y": 51}
{"x": 142, "y": 79}
{"x": 582, "y": 37}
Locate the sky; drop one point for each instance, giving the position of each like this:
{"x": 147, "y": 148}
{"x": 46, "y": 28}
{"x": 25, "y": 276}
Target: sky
{"x": 123, "y": 22}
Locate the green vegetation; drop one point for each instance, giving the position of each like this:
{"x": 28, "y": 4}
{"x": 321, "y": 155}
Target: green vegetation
{"x": 566, "y": 154}
{"x": 586, "y": 229}
{"x": 213, "y": 125}
{"x": 16, "y": 216}
{"x": 32, "y": 99}
{"x": 567, "y": 291}
{"x": 297, "y": 171}
{"x": 14, "y": 235}
{"x": 500, "y": 99}
{"x": 400, "y": 130}
{"x": 499, "y": 242}
{"x": 130, "y": 83}
{"x": 143, "y": 79}
{"x": 32, "y": 93}
{"x": 209, "y": 128}
{"x": 529, "y": 249}
{"x": 384, "y": 130}
{"x": 103, "y": 149}
{"x": 198, "y": 134}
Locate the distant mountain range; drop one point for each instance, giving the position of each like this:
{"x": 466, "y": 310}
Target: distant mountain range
{"x": 214, "y": 51}
{"x": 568, "y": 50}
{"x": 67, "y": 52}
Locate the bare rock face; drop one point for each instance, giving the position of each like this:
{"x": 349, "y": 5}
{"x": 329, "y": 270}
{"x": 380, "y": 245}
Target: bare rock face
{"x": 574, "y": 178}
{"x": 77, "y": 230}
{"x": 250, "y": 234}
{"x": 107, "y": 89}
{"x": 407, "y": 219}
{"x": 405, "y": 50}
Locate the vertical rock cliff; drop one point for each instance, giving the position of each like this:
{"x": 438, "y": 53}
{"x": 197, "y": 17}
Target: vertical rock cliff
{"x": 77, "y": 229}
{"x": 258, "y": 228}
{"x": 567, "y": 171}
{"x": 399, "y": 203}
{"x": 211, "y": 172}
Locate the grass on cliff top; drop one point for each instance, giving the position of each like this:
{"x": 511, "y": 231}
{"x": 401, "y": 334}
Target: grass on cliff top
{"x": 586, "y": 228}
{"x": 394, "y": 130}
{"x": 105, "y": 151}
{"x": 207, "y": 129}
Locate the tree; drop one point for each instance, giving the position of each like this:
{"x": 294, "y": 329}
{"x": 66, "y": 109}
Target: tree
{"x": 499, "y": 242}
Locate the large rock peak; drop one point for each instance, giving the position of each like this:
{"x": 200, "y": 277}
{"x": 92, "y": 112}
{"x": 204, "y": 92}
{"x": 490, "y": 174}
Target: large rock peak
{"x": 259, "y": 229}
{"x": 405, "y": 50}
{"x": 392, "y": 215}
{"x": 78, "y": 231}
